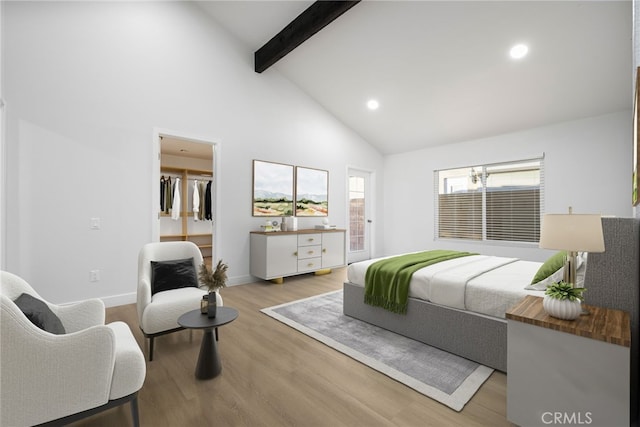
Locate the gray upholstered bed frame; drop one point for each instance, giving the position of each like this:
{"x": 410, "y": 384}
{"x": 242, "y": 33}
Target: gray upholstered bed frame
{"x": 612, "y": 280}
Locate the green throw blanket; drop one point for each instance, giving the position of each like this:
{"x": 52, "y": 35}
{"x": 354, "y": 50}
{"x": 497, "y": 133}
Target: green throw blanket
{"x": 387, "y": 281}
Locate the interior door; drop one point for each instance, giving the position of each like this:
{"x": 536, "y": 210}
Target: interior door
{"x": 359, "y": 216}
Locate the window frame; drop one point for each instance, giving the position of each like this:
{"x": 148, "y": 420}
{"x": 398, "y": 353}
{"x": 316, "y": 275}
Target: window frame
{"x": 483, "y": 194}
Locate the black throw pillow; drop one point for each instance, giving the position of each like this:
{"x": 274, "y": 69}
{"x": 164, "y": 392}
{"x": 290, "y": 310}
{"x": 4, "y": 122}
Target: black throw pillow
{"x": 40, "y": 314}
{"x": 173, "y": 274}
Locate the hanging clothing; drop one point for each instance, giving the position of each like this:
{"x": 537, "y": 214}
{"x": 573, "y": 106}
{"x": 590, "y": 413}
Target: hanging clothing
{"x": 168, "y": 196}
{"x": 162, "y": 191}
{"x": 202, "y": 189}
{"x": 196, "y": 201}
{"x": 207, "y": 203}
{"x": 175, "y": 209}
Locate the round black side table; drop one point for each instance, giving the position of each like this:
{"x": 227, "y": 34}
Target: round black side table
{"x": 209, "y": 365}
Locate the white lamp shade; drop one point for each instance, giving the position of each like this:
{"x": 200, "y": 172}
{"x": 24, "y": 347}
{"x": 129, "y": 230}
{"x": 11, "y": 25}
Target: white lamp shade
{"x": 572, "y": 232}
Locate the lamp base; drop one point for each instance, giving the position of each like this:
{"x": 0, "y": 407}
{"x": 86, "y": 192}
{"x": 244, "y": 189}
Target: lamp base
{"x": 571, "y": 276}
{"x": 570, "y": 267}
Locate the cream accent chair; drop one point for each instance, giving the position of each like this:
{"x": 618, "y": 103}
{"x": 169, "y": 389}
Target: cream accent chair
{"x": 58, "y": 379}
{"x": 158, "y": 313}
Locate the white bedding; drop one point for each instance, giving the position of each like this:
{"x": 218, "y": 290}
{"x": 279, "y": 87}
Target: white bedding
{"x": 483, "y": 284}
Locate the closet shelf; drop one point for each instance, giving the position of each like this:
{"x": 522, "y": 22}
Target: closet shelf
{"x": 176, "y": 236}
{"x": 187, "y": 214}
{"x": 187, "y": 171}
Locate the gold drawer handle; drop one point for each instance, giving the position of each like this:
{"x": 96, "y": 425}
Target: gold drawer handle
{"x": 311, "y": 239}
{"x": 310, "y": 264}
{"x": 295, "y": 253}
{"x": 310, "y": 252}
{"x": 324, "y": 251}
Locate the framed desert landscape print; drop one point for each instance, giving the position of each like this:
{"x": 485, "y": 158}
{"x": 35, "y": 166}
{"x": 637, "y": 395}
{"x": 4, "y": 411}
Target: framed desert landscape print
{"x": 312, "y": 192}
{"x": 272, "y": 189}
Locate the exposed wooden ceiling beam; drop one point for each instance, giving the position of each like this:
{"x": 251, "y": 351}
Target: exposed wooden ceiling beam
{"x": 313, "y": 19}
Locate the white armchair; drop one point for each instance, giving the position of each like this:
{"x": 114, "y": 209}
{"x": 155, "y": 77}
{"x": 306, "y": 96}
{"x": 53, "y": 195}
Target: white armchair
{"x": 158, "y": 312}
{"x": 51, "y": 378}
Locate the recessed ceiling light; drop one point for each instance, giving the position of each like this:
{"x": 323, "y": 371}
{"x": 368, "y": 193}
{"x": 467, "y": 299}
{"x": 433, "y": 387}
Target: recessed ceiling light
{"x": 519, "y": 51}
{"x": 373, "y": 104}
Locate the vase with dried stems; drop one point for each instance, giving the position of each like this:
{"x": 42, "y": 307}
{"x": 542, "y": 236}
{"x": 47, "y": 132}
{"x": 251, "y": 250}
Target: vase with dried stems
{"x": 213, "y": 280}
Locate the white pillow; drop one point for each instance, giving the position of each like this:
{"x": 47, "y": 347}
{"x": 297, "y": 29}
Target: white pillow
{"x": 581, "y": 268}
{"x": 542, "y": 285}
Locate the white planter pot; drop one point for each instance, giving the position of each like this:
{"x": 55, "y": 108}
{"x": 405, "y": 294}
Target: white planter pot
{"x": 562, "y": 309}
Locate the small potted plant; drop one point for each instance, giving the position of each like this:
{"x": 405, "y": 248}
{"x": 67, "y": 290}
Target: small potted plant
{"x": 563, "y": 301}
{"x": 213, "y": 280}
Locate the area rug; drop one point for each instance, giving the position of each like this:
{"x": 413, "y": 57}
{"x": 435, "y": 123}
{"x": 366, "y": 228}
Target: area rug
{"x": 444, "y": 377}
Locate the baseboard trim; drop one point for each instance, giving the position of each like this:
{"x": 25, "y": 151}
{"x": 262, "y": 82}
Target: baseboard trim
{"x": 130, "y": 298}
{"x": 116, "y": 300}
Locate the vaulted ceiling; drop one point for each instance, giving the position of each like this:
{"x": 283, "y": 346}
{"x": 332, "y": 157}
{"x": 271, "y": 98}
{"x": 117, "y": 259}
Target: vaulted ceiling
{"x": 441, "y": 70}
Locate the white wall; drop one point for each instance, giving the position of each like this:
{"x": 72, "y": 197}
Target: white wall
{"x": 587, "y": 166}
{"x": 87, "y": 83}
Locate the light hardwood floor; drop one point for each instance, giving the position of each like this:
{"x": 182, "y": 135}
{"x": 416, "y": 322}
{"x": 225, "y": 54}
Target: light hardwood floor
{"x": 273, "y": 375}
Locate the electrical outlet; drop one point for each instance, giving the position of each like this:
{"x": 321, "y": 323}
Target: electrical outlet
{"x": 95, "y": 224}
{"x": 95, "y": 275}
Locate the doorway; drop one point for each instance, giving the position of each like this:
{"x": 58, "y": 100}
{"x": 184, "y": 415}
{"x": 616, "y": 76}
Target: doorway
{"x": 186, "y": 192}
{"x": 360, "y": 215}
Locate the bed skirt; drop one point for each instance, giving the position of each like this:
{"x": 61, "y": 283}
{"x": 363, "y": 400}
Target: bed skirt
{"x": 474, "y": 336}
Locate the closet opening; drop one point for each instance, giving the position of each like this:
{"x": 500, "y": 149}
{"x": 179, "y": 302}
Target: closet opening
{"x": 186, "y": 189}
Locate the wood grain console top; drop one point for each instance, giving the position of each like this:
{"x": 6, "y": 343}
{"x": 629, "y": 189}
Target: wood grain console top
{"x": 302, "y": 231}
{"x": 612, "y": 326}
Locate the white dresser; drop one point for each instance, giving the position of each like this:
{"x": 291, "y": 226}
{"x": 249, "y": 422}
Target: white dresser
{"x": 275, "y": 255}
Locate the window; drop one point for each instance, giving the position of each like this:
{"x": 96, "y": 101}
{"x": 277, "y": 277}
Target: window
{"x": 500, "y": 202}
{"x": 356, "y": 213}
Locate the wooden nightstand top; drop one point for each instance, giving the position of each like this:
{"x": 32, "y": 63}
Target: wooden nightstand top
{"x": 603, "y": 324}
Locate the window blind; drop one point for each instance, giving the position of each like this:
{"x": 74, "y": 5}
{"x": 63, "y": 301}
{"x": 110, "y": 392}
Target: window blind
{"x": 460, "y": 216}
{"x": 501, "y": 202}
{"x": 513, "y": 215}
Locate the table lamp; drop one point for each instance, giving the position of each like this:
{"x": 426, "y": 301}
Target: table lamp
{"x": 572, "y": 233}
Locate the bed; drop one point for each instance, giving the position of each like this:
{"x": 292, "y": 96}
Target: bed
{"x": 479, "y": 333}
{"x": 479, "y": 283}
